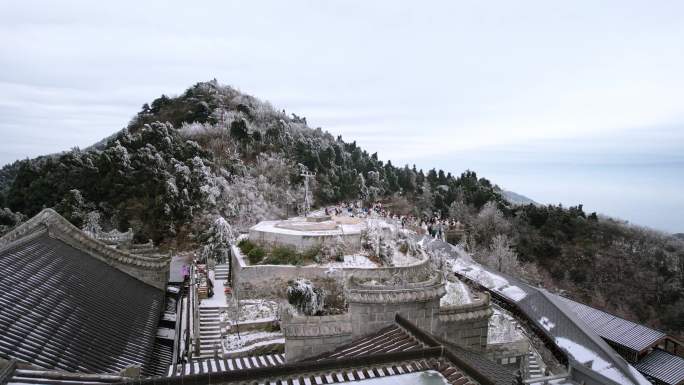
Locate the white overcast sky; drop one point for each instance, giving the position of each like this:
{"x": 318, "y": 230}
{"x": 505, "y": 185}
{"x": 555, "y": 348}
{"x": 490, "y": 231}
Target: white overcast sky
{"x": 517, "y": 90}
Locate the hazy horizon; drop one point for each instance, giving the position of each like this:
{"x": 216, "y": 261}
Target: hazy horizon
{"x": 564, "y": 103}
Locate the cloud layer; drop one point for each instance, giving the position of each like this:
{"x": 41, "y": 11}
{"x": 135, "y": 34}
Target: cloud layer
{"x": 451, "y": 83}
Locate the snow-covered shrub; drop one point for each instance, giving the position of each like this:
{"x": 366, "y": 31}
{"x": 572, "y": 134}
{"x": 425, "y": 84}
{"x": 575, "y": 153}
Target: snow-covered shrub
{"x": 304, "y": 297}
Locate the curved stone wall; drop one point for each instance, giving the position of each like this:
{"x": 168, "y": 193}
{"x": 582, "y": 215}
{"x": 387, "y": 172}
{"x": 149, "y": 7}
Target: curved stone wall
{"x": 466, "y": 325}
{"x": 309, "y": 336}
{"x": 374, "y": 307}
{"x": 269, "y": 233}
{"x": 270, "y": 281}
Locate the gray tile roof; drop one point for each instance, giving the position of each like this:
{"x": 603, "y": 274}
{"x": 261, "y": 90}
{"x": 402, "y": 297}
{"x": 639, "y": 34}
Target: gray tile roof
{"x": 663, "y": 366}
{"x": 64, "y": 309}
{"x": 553, "y": 318}
{"x": 615, "y": 329}
{"x": 396, "y": 338}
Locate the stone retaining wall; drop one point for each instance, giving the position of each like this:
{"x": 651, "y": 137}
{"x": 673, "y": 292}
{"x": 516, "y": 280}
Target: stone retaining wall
{"x": 309, "y": 336}
{"x": 466, "y": 325}
{"x": 270, "y": 281}
{"x": 374, "y": 307}
{"x": 303, "y": 242}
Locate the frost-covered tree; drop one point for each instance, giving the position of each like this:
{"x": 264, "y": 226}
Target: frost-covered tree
{"x": 461, "y": 210}
{"x": 74, "y": 207}
{"x": 219, "y": 238}
{"x": 489, "y": 222}
{"x": 92, "y": 224}
{"x": 426, "y": 201}
{"x": 9, "y": 219}
{"x": 361, "y": 188}
{"x": 501, "y": 255}
{"x": 304, "y": 297}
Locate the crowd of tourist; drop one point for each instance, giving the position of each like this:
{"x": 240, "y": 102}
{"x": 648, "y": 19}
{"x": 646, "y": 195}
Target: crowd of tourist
{"x": 435, "y": 226}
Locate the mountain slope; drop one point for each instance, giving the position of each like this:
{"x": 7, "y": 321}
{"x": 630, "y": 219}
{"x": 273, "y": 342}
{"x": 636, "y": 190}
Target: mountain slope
{"x": 214, "y": 151}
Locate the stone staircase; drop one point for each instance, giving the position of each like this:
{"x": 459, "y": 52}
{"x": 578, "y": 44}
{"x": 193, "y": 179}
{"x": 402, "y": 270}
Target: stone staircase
{"x": 534, "y": 370}
{"x": 221, "y": 272}
{"x": 210, "y": 332}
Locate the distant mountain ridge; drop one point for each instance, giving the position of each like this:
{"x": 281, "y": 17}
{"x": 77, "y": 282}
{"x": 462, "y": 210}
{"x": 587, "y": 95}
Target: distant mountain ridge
{"x": 517, "y": 199}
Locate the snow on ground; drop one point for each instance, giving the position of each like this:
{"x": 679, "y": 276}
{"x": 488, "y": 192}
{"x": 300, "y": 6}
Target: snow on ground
{"x": 490, "y": 280}
{"x": 400, "y": 259}
{"x": 251, "y": 310}
{"x": 340, "y": 228}
{"x": 219, "y": 298}
{"x": 248, "y": 340}
{"x": 502, "y": 328}
{"x": 356, "y": 260}
{"x": 596, "y": 363}
{"x": 456, "y": 294}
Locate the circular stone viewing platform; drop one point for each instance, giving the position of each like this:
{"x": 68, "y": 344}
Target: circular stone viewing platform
{"x": 307, "y": 232}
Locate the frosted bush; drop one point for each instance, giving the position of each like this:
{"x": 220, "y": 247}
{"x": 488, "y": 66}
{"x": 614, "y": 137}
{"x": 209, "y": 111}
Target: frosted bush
{"x": 304, "y": 297}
